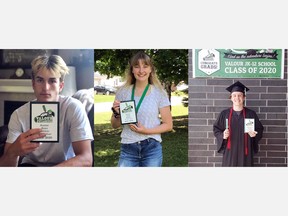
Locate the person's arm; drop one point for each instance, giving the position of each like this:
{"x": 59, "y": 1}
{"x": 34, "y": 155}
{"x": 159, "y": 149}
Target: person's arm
{"x": 83, "y": 155}
{"x": 20, "y": 147}
{"x": 80, "y": 133}
{"x": 115, "y": 119}
{"x": 220, "y": 132}
{"x": 8, "y": 159}
{"x": 165, "y": 126}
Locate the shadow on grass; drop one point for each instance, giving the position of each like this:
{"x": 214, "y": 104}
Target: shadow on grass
{"x": 174, "y": 143}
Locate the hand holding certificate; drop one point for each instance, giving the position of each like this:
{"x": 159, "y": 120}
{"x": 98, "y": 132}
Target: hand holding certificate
{"x": 45, "y": 115}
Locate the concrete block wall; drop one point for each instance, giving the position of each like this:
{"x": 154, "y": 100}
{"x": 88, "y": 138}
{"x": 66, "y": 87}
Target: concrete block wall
{"x": 207, "y": 97}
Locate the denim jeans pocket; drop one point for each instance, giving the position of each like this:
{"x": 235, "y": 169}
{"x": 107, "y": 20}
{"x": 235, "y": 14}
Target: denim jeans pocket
{"x": 153, "y": 144}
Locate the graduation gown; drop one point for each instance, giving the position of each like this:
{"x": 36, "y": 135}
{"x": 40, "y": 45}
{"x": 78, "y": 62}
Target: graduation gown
{"x": 235, "y": 156}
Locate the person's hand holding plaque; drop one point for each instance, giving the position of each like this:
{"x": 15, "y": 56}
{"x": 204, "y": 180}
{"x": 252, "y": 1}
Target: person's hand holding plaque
{"x": 252, "y": 133}
{"x": 138, "y": 128}
{"x": 24, "y": 143}
{"x": 115, "y": 108}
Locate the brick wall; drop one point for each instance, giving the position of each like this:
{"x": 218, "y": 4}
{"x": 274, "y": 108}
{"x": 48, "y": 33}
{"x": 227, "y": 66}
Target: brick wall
{"x": 207, "y": 97}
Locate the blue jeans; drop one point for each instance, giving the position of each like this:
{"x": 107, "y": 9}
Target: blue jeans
{"x": 145, "y": 153}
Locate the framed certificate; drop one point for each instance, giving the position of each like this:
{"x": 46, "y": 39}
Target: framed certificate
{"x": 128, "y": 112}
{"x": 249, "y": 125}
{"x": 45, "y": 115}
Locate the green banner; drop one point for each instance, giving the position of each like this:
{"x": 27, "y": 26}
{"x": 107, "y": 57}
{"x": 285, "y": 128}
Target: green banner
{"x": 238, "y": 63}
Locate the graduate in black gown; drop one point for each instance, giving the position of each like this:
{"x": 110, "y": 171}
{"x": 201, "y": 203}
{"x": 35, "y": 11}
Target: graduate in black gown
{"x": 238, "y": 148}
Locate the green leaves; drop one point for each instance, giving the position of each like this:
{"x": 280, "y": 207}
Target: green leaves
{"x": 171, "y": 64}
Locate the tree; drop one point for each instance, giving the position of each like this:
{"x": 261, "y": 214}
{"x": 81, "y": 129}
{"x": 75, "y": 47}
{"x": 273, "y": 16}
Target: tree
{"x": 171, "y": 64}
{"x": 112, "y": 62}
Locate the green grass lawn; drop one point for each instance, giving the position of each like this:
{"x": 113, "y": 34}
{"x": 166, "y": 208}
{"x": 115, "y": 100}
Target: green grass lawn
{"x": 175, "y": 143}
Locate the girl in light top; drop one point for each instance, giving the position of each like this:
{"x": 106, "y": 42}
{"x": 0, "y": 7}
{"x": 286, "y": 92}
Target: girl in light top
{"x": 141, "y": 142}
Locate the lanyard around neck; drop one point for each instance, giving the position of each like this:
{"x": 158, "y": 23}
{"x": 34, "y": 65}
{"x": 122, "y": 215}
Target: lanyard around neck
{"x": 142, "y": 96}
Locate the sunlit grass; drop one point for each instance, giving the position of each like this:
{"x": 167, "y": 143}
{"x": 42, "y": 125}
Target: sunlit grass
{"x": 175, "y": 143}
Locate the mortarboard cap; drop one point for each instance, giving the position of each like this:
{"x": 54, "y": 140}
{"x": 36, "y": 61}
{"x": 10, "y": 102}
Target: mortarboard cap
{"x": 237, "y": 86}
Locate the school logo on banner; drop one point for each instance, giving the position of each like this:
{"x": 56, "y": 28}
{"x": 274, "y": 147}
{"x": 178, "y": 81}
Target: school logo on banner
{"x": 208, "y": 61}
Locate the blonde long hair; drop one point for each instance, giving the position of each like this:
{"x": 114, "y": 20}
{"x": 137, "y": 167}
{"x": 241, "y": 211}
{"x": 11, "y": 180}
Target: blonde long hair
{"x": 130, "y": 79}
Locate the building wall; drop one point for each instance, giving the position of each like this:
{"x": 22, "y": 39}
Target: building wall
{"x": 207, "y": 97}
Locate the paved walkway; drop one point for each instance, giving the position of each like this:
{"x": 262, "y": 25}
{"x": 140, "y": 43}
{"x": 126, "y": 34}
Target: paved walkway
{"x": 106, "y": 106}
{"x": 103, "y": 107}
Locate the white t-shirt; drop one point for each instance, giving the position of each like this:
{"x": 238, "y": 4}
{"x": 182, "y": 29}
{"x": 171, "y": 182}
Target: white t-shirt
{"x": 148, "y": 113}
{"x": 74, "y": 126}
